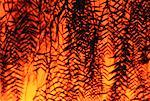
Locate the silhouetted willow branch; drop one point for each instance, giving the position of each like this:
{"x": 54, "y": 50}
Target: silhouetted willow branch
{"x": 20, "y": 32}
{"x": 139, "y": 29}
{"x": 122, "y": 47}
{"x": 82, "y": 41}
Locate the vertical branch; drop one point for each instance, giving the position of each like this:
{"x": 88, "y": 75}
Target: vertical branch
{"x": 139, "y": 29}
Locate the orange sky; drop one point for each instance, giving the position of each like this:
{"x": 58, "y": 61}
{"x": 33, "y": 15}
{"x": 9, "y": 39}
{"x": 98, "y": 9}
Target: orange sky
{"x": 33, "y": 80}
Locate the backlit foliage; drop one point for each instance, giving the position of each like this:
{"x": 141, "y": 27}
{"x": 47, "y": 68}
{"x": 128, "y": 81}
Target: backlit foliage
{"x": 74, "y": 50}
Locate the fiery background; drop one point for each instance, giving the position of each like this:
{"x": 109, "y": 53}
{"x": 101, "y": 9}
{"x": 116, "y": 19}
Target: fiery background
{"x": 74, "y": 50}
